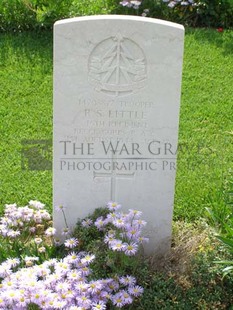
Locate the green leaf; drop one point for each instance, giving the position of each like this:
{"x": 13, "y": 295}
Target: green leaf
{"x": 226, "y": 241}
{"x": 228, "y": 269}
{"x": 224, "y": 262}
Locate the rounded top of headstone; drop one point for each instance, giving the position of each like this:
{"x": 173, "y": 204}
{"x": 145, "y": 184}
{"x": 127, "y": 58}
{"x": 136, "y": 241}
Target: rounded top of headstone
{"x": 119, "y": 17}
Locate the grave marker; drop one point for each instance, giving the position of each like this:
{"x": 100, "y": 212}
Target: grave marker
{"x": 117, "y": 82}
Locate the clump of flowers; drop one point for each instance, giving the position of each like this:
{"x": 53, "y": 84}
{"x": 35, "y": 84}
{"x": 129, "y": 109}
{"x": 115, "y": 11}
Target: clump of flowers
{"x": 26, "y": 229}
{"x": 123, "y": 230}
{"x": 68, "y": 280}
{"x": 185, "y": 12}
{"x": 131, "y": 3}
{"x": 174, "y": 3}
{"x": 63, "y": 284}
{"x": 115, "y": 237}
{"x": 135, "y": 5}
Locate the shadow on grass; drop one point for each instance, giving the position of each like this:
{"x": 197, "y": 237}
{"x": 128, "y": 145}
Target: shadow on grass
{"x": 222, "y": 40}
{"x": 29, "y": 44}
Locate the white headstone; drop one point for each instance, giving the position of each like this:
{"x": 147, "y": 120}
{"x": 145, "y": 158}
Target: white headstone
{"x": 117, "y": 84}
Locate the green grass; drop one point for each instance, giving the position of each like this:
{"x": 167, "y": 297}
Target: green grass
{"x": 203, "y": 289}
{"x": 26, "y": 113}
{"x": 205, "y": 122}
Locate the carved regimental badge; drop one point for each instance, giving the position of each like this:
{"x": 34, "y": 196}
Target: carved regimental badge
{"x": 117, "y": 66}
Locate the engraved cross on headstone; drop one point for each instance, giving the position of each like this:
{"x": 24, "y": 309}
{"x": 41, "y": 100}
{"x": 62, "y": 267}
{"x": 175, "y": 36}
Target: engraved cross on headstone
{"x": 113, "y": 175}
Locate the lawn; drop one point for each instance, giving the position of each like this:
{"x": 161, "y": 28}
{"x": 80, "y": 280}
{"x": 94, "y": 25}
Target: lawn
{"x": 205, "y": 135}
{"x": 205, "y": 163}
{"x": 26, "y": 113}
